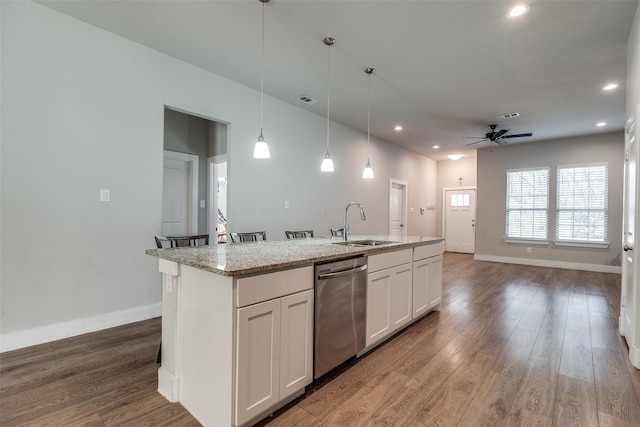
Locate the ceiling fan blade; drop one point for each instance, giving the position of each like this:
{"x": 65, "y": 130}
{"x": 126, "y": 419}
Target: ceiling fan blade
{"x": 500, "y": 141}
{"x": 471, "y": 143}
{"x": 518, "y": 135}
{"x": 471, "y": 137}
{"x": 500, "y": 133}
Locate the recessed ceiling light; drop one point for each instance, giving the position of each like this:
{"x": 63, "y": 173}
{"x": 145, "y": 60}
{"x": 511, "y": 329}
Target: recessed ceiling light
{"x": 436, "y": 146}
{"x": 610, "y": 86}
{"x": 398, "y": 127}
{"x": 600, "y": 124}
{"x": 518, "y": 10}
{"x": 455, "y": 156}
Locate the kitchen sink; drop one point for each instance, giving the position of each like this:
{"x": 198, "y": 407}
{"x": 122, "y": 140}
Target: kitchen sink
{"x": 364, "y": 242}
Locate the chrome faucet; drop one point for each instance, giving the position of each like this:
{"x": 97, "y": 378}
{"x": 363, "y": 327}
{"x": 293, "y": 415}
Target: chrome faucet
{"x": 346, "y": 218}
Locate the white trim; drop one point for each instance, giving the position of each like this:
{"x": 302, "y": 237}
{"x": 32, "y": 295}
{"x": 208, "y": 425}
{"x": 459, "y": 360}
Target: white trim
{"x": 44, "y": 334}
{"x": 518, "y": 241}
{"x": 552, "y": 264}
{"x": 193, "y": 184}
{"x": 581, "y": 244}
{"x": 212, "y": 205}
{"x": 168, "y": 385}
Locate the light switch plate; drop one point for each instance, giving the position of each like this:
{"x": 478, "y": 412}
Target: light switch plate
{"x": 105, "y": 195}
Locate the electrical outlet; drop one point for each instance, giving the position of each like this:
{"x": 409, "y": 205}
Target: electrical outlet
{"x": 169, "y": 281}
{"x": 528, "y": 250}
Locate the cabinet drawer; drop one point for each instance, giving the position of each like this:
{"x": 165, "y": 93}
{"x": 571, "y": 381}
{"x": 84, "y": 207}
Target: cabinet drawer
{"x": 427, "y": 251}
{"x": 388, "y": 259}
{"x": 263, "y": 287}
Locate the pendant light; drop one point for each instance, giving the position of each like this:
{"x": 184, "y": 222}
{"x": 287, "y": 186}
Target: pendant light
{"x": 261, "y": 149}
{"x": 327, "y": 163}
{"x": 368, "y": 171}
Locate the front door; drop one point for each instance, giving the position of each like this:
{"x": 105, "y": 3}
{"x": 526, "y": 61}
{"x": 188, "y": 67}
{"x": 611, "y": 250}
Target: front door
{"x": 459, "y": 220}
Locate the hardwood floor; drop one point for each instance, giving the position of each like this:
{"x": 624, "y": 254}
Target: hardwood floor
{"x": 511, "y": 346}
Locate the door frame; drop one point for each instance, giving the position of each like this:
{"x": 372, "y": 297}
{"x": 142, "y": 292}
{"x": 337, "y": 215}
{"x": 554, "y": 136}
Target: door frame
{"x": 631, "y": 269}
{"x": 444, "y": 209}
{"x": 192, "y": 159}
{"x": 212, "y": 214}
{"x": 405, "y": 198}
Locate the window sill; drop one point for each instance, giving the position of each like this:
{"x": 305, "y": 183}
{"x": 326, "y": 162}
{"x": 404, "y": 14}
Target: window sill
{"x": 582, "y": 244}
{"x": 526, "y": 241}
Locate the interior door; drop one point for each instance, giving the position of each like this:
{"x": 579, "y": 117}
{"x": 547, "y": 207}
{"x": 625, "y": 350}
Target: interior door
{"x": 397, "y": 208}
{"x": 175, "y": 197}
{"x": 630, "y": 291}
{"x": 459, "y": 220}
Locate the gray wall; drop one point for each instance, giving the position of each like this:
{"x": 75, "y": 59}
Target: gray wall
{"x": 86, "y": 109}
{"x": 492, "y": 167}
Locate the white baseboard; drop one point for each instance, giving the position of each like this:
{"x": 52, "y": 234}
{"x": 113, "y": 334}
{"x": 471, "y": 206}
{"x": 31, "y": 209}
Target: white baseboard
{"x": 550, "y": 263}
{"x": 168, "y": 385}
{"x": 44, "y": 334}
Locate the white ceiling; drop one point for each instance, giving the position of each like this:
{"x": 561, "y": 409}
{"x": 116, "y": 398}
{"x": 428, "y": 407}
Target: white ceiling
{"x": 444, "y": 69}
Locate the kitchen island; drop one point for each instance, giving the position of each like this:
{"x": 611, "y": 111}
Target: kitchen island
{"x": 237, "y": 324}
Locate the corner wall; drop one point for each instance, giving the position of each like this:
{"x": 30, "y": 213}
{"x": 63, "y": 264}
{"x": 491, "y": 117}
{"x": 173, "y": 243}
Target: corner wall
{"x": 83, "y": 110}
{"x": 491, "y": 213}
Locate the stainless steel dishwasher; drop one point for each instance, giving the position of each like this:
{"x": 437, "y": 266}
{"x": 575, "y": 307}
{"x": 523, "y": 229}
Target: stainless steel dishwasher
{"x": 340, "y": 312}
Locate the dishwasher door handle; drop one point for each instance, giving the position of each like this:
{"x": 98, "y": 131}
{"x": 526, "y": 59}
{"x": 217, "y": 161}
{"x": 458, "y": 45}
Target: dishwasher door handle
{"x": 342, "y": 273}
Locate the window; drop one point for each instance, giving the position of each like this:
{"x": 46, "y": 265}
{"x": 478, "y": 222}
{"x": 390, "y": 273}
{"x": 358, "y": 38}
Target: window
{"x": 459, "y": 200}
{"x": 527, "y": 203}
{"x": 581, "y": 213}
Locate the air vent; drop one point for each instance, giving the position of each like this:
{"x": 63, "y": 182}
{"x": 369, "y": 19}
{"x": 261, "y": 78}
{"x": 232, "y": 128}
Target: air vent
{"x": 508, "y": 116}
{"x": 306, "y": 100}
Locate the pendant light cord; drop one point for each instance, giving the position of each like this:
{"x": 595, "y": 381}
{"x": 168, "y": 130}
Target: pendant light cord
{"x": 368, "y": 116}
{"x": 328, "y": 93}
{"x": 262, "y": 76}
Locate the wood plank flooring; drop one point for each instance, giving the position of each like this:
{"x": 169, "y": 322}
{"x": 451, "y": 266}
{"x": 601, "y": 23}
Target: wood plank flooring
{"x": 511, "y": 346}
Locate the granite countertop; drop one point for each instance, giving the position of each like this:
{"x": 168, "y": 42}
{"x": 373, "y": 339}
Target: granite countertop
{"x": 236, "y": 259}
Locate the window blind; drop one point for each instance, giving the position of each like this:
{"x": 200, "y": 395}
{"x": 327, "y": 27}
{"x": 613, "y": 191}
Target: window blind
{"x": 527, "y": 203}
{"x": 582, "y": 203}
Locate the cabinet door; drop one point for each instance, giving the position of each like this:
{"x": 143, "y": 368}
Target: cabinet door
{"x": 400, "y": 307}
{"x": 257, "y": 359}
{"x": 296, "y": 337}
{"x": 427, "y": 284}
{"x": 435, "y": 281}
{"x": 389, "y": 297}
{"x": 421, "y": 302}
{"x": 378, "y": 297}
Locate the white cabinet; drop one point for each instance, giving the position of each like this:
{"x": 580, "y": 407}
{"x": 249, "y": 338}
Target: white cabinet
{"x": 427, "y": 278}
{"x": 296, "y": 343}
{"x": 389, "y": 294}
{"x": 258, "y": 368}
{"x": 274, "y": 357}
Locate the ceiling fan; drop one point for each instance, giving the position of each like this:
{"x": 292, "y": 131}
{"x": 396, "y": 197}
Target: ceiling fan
{"x": 498, "y": 137}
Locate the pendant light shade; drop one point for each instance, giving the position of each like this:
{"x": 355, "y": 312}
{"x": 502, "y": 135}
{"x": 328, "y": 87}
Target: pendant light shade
{"x": 367, "y": 173}
{"x": 261, "y": 149}
{"x": 327, "y": 163}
